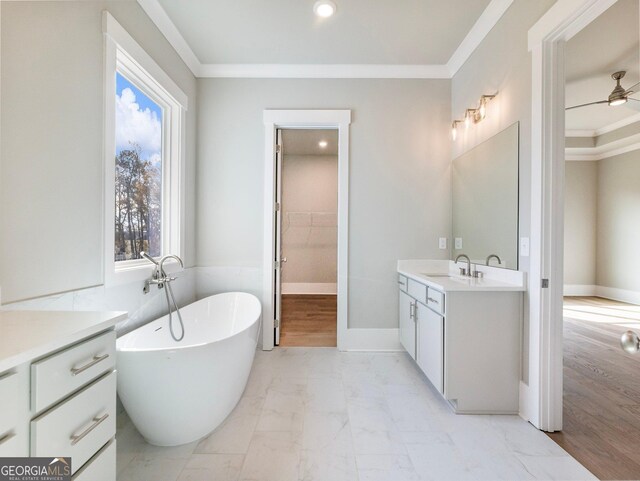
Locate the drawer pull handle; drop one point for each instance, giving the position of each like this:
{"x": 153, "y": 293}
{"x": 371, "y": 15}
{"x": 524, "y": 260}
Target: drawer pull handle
{"x": 96, "y": 359}
{"x": 76, "y": 438}
{"x": 6, "y": 437}
{"x": 6, "y": 375}
{"x": 401, "y": 283}
{"x": 430, "y": 299}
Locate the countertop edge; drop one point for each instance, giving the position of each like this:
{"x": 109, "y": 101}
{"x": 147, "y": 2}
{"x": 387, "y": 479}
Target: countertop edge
{"x": 424, "y": 280}
{"x": 60, "y": 342}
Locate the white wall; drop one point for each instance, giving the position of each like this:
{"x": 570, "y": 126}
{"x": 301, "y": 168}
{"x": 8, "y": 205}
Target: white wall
{"x": 399, "y": 180}
{"x": 51, "y": 157}
{"x": 502, "y": 64}
{"x": 309, "y": 222}
{"x": 618, "y": 253}
{"x": 581, "y": 196}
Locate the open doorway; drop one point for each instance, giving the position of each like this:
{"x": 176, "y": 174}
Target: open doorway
{"x": 306, "y": 237}
{"x": 601, "y": 418}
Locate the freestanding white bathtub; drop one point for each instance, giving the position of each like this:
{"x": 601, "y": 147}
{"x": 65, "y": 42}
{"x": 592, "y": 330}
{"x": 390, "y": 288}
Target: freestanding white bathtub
{"x": 178, "y": 392}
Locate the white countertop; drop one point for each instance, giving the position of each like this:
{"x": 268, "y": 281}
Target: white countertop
{"x": 28, "y": 335}
{"x": 442, "y": 275}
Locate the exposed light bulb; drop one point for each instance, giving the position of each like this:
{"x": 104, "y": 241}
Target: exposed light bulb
{"x": 324, "y": 8}
{"x": 467, "y": 120}
{"x": 454, "y": 131}
{"x": 483, "y": 110}
{"x": 323, "y": 144}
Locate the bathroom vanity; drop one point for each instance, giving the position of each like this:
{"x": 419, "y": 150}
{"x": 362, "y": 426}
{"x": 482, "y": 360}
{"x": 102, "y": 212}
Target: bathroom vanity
{"x": 58, "y": 388}
{"x": 464, "y": 333}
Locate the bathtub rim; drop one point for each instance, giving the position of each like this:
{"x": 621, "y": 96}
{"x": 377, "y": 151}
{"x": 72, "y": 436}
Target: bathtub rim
{"x": 120, "y": 349}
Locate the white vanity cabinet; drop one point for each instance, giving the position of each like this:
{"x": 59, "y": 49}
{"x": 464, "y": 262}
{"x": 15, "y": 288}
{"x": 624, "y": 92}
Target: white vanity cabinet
{"x": 465, "y": 335}
{"x": 58, "y": 389}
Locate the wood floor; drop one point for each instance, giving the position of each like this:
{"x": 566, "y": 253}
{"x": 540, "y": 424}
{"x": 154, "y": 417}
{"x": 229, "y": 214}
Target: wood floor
{"x": 308, "y": 320}
{"x": 601, "y": 388}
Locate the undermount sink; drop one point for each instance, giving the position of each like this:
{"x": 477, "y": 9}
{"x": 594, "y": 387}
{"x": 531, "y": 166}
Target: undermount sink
{"x": 436, "y": 275}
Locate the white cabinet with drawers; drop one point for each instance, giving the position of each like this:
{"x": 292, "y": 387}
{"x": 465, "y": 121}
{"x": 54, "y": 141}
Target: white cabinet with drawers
{"x": 58, "y": 389}
{"x": 465, "y": 335}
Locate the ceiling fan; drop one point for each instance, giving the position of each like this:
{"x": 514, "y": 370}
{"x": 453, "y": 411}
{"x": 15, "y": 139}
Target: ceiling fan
{"x": 618, "y": 96}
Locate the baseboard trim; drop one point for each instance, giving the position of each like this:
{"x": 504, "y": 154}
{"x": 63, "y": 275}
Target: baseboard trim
{"x": 580, "y": 290}
{"x": 623, "y": 295}
{"x": 370, "y": 340}
{"x": 309, "y": 288}
{"x": 613, "y": 293}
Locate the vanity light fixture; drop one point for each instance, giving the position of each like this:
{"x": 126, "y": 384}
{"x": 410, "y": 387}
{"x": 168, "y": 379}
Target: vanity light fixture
{"x": 476, "y": 115}
{"x": 323, "y": 144}
{"x": 454, "y": 129}
{"x": 324, "y": 8}
{"x": 482, "y": 111}
{"x": 469, "y": 114}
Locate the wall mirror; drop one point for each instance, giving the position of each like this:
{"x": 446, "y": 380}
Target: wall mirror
{"x": 485, "y": 201}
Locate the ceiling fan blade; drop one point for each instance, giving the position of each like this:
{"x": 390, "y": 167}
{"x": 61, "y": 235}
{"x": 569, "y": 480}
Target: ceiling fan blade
{"x": 590, "y": 103}
{"x": 630, "y": 90}
{"x": 635, "y": 105}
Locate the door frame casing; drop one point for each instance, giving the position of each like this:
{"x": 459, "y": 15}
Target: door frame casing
{"x": 305, "y": 119}
{"x": 541, "y": 400}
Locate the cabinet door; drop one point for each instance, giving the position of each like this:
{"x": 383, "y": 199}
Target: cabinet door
{"x": 407, "y": 324}
{"x": 431, "y": 345}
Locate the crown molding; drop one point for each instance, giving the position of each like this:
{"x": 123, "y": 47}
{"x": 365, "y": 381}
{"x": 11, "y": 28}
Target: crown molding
{"x": 485, "y": 23}
{"x": 622, "y": 146}
{"x": 604, "y": 130}
{"x": 159, "y": 17}
{"x": 580, "y": 133}
{"x": 487, "y": 20}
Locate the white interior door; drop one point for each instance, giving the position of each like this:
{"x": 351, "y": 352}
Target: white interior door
{"x": 277, "y": 255}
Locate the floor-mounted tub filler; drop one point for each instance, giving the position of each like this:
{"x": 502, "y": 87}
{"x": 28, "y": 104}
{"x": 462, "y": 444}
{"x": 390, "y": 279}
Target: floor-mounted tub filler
{"x": 178, "y": 392}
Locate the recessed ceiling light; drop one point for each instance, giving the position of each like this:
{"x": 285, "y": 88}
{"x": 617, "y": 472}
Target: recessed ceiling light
{"x": 323, "y": 144}
{"x": 324, "y": 8}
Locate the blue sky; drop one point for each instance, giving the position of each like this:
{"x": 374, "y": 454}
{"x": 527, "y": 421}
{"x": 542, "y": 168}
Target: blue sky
{"x": 138, "y": 119}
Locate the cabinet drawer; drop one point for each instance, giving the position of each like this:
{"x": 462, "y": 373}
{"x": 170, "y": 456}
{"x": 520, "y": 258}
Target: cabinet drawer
{"x": 402, "y": 283}
{"x": 14, "y": 442}
{"x": 102, "y": 467}
{"x": 80, "y": 426}
{"x": 417, "y": 291}
{"x": 57, "y": 376}
{"x": 14, "y": 398}
{"x": 435, "y": 300}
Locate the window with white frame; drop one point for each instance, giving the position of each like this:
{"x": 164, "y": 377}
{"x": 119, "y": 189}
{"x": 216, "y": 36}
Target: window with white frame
{"x": 144, "y": 153}
{"x": 139, "y": 172}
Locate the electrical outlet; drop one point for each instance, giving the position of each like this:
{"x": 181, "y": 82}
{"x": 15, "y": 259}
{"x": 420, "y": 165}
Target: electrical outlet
{"x": 458, "y": 243}
{"x": 524, "y": 246}
{"x": 442, "y": 243}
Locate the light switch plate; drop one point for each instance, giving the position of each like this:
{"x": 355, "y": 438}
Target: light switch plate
{"x": 442, "y": 243}
{"x": 524, "y": 246}
{"x": 458, "y": 243}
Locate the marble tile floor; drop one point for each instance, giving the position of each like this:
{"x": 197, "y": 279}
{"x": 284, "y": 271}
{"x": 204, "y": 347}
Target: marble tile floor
{"x": 316, "y": 414}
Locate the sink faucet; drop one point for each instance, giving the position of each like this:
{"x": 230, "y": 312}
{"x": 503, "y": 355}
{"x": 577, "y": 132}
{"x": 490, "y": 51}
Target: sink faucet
{"x": 464, "y": 272}
{"x": 489, "y": 257}
{"x": 159, "y": 277}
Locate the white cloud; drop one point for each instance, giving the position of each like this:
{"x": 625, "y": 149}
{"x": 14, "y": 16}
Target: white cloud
{"x": 142, "y": 127}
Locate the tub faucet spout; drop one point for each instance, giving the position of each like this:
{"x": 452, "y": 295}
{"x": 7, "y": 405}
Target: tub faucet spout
{"x": 160, "y": 277}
